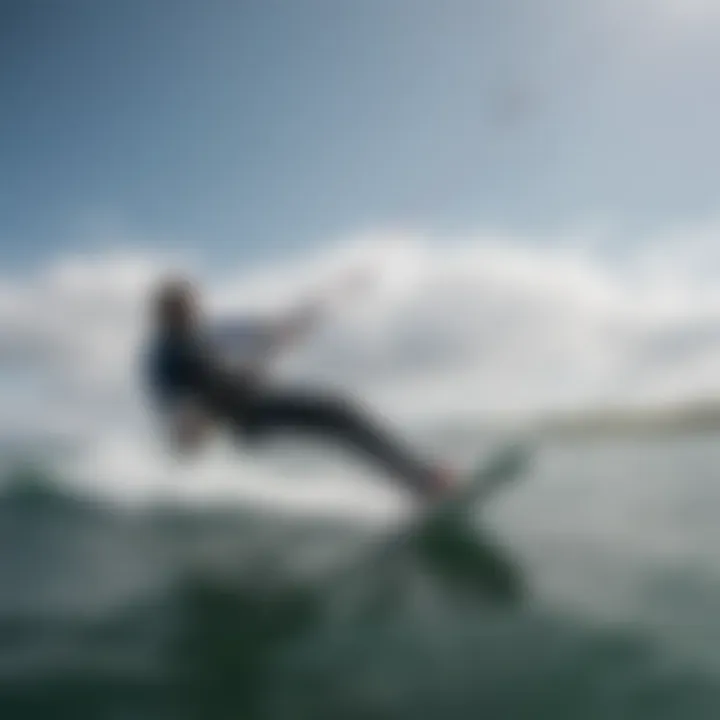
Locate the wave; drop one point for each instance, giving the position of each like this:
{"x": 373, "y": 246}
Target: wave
{"x": 221, "y": 646}
{"x": 35, "y": 485}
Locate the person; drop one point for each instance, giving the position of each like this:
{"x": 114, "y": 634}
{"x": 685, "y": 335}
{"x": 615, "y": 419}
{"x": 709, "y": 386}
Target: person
{"x": 196, "y": 392}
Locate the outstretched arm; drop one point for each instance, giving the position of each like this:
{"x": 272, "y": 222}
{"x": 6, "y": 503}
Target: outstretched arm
{"x": 304, "y": 318}
{"x": 266, "y": 340}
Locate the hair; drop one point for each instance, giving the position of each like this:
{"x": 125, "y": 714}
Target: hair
{"x": 173, "y": 301}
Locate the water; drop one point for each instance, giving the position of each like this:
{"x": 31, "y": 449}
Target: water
{"x": 590, "y": 591}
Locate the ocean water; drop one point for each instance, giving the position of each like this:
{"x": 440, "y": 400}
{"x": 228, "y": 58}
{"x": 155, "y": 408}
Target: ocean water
{"x": 588, "y": 589}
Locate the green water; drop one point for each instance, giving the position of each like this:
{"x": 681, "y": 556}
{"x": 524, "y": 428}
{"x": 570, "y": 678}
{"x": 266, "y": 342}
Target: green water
{"x": 589, "y": 590}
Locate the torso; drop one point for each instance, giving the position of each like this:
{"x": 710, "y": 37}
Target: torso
{"x": 182, "y": 368}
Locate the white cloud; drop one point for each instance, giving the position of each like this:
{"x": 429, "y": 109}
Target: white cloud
{"x": 545, "y": 324}
{"x": 477, "y": 325}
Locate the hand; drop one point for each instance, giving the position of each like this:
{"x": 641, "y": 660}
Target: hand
{"x": 298, "y": 324}
{"x": 190, "y": 428}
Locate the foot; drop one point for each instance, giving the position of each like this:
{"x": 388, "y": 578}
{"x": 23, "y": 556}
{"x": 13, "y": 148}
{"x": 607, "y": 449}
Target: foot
{"x": 442, "y": 481}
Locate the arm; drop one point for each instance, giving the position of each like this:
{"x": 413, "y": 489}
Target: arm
{"x": 266, "y": 339}
{"x": 296, "y": 325}
{"x": 303, "y": 319}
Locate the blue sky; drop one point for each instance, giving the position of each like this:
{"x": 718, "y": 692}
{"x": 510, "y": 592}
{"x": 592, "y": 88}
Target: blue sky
{"x": 253, "y": 128}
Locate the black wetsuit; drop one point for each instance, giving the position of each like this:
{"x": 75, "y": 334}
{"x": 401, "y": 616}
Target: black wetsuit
{"x": 183, "y": 367}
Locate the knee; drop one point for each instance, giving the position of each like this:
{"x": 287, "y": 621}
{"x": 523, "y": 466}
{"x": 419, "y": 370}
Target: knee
{"x": 341, "y": 407}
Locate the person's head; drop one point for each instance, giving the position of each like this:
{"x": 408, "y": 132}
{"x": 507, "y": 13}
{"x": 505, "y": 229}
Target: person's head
{"x": 176, "y": 305}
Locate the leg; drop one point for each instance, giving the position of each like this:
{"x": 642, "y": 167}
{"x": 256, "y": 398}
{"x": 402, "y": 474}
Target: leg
{"x": 329, "y": 416}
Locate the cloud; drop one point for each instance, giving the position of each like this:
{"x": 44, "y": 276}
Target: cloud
{"x": 493, "y": 324}
{"x": 480, "y": 325}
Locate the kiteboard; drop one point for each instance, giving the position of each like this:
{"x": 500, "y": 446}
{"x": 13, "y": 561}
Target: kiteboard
{"x": 501, "y": 468}
{"x": 497, "y": 470}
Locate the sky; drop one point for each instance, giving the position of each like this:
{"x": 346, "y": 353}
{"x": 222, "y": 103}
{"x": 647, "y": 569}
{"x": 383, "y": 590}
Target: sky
{"x": 258, "y": 128}
{"x": 534, "y": 183}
